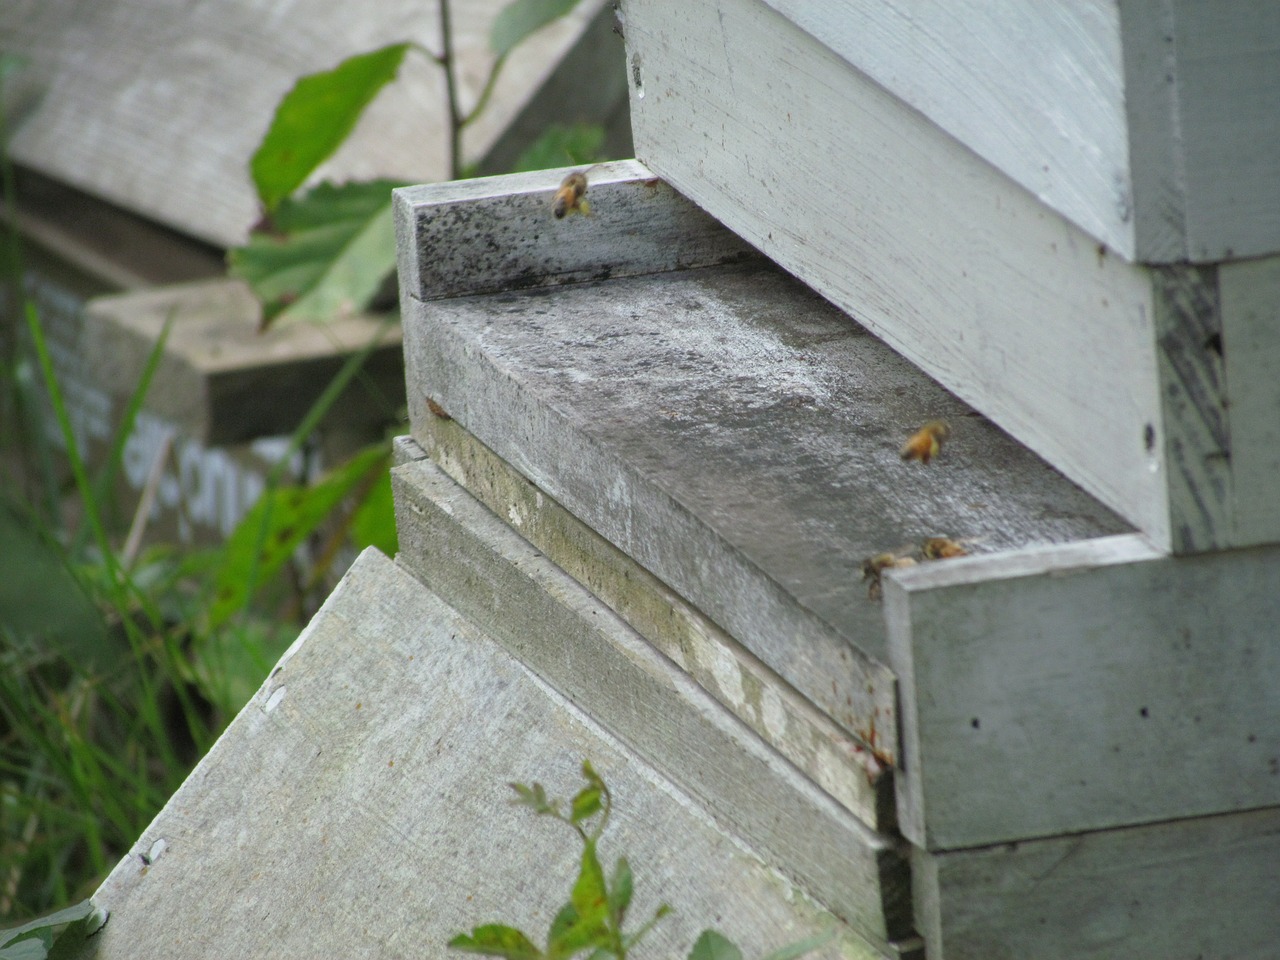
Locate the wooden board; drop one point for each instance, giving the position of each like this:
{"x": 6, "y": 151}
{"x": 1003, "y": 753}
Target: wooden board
{"x": 1249, "y": 299}
{"x": 1004, "y": 302}
{"x": 1081, "y": 687}
{"x": 1036, "y": 90}
{"x": 748, "y": 688}
{"x": 222, "y": 380}
{"x": 498, "y": 233}
{"x": 1204, "y": 888}
{"x": 358, "y": 807}
{"x": 563, "y": 633}
{"x": 1203, "y": 92}
{"x": 1150, "y": 124}
{"x": 158, "y": 107}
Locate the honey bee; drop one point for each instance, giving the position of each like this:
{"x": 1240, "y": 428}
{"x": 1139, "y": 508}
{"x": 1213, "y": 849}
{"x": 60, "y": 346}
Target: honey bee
{"x": 942, "y": 548}
{"x": 572, "y": 195}
{"x": 925, "y": 443}
{"x": 874, "y": 566}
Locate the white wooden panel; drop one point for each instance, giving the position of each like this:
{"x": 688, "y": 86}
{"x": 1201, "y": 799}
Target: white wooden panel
{"x": 158, "y": 106}
{"x": 1249, "y": 293}
{"x": 1008, "y": 305}
{"x": 1082, "y": 687}
{"x": 1035, "y": 89}
{"x": 1205, "y": 888}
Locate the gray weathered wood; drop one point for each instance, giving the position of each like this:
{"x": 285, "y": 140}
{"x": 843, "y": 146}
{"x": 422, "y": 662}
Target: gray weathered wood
{"x": 569, "y": 638}
{"x": 1202, "y": 97}
{"x": 1008, "y": 305}
{"x": 220, "y": 379}
{"x": 357, "y": 807}
{"x": 1081, "y": 687}
{"x": 1192, "y": 888}
{"x": 1037, "y": 90}
{"x": 1249, "y": 297}
{"x": 1197, "y": 435}
{"x": 749, "y": 689}
{"x": 1148, "y": 123}
{"x": 158, "y": 107}
{"x": 739, "y": 438}
{"x": 498, "y": 233}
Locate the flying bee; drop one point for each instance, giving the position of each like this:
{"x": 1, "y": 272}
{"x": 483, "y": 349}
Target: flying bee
{"x": 572, "y": 195}
{"x": 874, "y": 566}
{"x": 924, "y": 444}
{"x": 942, "y": 548}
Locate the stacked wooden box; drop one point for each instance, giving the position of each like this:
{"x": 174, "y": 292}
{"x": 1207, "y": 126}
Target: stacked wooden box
{"x": 1066, "y": 215}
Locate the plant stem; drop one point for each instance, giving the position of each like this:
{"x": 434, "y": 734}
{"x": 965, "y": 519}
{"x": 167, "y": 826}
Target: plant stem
{"x": 451, "y": 87}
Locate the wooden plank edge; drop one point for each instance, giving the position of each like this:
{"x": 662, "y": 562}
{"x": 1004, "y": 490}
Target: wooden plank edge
{"x": 499, "y": 233}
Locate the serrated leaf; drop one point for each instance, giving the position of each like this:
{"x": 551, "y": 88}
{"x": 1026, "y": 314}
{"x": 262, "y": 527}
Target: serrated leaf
{"x": 519, "y": 19}
{"x": 534, "y": 797}
{"x": 497, "y": 940}
{"x": 315, "y": 117}
{"x": 800, "y": 947}
{"x": 714, "y": 946}
{"x": 326, "y": 254}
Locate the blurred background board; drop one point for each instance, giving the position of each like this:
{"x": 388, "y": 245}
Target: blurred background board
{"x": 157, "y": 106}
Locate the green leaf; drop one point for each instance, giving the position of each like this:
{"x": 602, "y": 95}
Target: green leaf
{"x": 67, "y": 915}
{"x": 374, "y": 522}
{"x": 713, "y": 946}
{"x": 800, "y": 947}
{"x": 534, "y": 797}
{"x": 327, "y": 254}
{"x": 42, "y": 603}
{"x": 496, "y": 940}
{"x": 560, "y": 145}
{"x": 586, "y": 804}
{"x": 520, "y": 18}
{"x": 572, "y": 933}
{"x": 620, "y": 889}
{"x": 71, "y": 940}
{"x": 275, "y": 526}
{"x": 589, "y": 895}
{"x": 32, "y": 948}
{"x": 315, "y": 117}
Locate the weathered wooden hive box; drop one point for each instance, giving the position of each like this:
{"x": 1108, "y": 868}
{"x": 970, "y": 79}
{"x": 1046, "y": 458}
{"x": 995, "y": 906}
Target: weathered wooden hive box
{"x": 652, "y": 449}
{"x": 132, "y": 128}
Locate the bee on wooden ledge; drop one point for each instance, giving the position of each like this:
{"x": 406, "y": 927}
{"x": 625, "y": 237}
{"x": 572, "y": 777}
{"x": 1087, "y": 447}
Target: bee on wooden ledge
{"x": 924, "y": 444}
{"x": 572, "y": 196}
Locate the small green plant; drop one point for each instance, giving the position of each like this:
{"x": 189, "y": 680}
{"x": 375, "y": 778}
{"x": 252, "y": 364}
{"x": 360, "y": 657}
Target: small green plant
{"x": 36, "y": 940}
{"x": 328, "y": 251}
{"x": 592, "y": 921}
